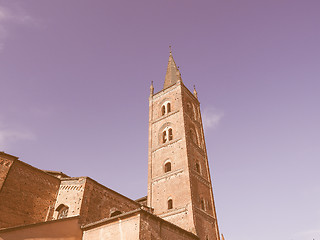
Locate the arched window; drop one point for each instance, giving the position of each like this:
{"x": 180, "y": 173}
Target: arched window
{"x": 163, "y": 110}
{"x": 195, "y": 115}
{"x": 170, "y": 204}
{"x": 62, "y": 211}
{"x": 170, "y": 134}
{"x": 115, "y": 213}
{"x": 164, "y": 136}
{"x": 198, "y": 167}
{"x": 167, "y": 135}
{"x": 167, "y": 167}
{"x": 189, "y": 110}
{"x": 202, "y": 204}
{"x": 168, "y": 107}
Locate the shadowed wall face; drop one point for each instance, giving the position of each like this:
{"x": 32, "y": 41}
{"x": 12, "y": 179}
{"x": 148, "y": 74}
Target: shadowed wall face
{"x": 100, "y": 202}
{"x": 26, "y": 195}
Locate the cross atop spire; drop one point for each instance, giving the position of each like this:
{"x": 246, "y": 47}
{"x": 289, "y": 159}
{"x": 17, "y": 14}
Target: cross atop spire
{"x": 173, "y": 74}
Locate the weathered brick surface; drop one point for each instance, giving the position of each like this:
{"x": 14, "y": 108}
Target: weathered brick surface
{"x": 99, "y": 202}
{"x": 26, "y": 195}
{"x": 6, "y": 161}
{"x": 153, "y": 228}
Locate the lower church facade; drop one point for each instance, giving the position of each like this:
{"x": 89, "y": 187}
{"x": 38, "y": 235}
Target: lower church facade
{"x": 38, "y": 204}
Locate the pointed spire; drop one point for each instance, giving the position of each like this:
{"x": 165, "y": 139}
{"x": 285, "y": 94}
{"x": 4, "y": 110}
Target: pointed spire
{"x": 173, "y": 74}
{"x": 151, "y": 89}
{"x": 195, "y": 91}
{"x": 222, "y": 237}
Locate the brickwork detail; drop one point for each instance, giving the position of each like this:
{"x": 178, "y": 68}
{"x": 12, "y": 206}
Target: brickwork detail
{"x": 99, "y": 202}
{"x": 26, "y": 195}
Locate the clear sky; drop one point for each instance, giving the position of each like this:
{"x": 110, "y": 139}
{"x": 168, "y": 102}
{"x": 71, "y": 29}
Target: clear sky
{"x": 75, "y": 77}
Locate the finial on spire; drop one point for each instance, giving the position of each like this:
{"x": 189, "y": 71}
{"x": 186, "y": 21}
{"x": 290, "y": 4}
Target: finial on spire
{"x": 151, "y": 89}
{"x": 195, "y": 91}
{"x": 170, "y": 50}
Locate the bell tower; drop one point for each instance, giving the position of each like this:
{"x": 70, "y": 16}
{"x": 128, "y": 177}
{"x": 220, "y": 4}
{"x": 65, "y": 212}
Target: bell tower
{"x": 179, "y": 183}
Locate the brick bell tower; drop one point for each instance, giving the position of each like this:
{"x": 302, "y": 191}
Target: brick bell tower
{"x": 179, "y": 183}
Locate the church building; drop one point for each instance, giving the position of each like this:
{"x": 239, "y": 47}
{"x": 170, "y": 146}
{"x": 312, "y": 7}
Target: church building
{"x": 43, "y": 205}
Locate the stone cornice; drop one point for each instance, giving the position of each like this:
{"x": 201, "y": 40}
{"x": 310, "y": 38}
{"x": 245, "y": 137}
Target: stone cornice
{"x": 166, "y": 144}
{"x": 167, "y": 175}
{"x": 165, "y": 116}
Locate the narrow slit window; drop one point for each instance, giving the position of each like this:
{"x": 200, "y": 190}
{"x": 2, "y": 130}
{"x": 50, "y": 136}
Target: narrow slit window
{"x": 170, "y": 204}
{"x": 167, "y": 167}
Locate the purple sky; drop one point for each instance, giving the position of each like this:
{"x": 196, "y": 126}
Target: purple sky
{"x": 75, "y": 76}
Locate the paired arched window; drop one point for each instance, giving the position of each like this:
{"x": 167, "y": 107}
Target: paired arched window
{"x": 62, "y": 211}
{"x": 167, "y": 135}
{"x": 115, "y": 213}
{"x": 166, "y": 108}
{"x": 170, "y": 204}
{"x": 167, "y": 167}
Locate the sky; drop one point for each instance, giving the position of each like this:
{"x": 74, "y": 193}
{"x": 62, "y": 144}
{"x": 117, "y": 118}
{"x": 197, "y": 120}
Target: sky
{"x": 75, "y": 77}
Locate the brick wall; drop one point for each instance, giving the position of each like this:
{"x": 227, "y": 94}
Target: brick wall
{"x": 6, "y": 161}
{"x": 99, "y": 202}
{"x": 26, "y": 195}
{"x": 153, "y": 228}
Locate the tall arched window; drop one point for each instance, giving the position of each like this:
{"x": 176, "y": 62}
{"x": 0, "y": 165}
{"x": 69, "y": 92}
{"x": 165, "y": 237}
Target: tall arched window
{"x": 193, "y": 136}
{"x": 164, "y": 136}
{"x": 163, "y": 110}
{"x": 195, "y": 115}
{"x": 189, "y": 110}
{"x": 198, "y": 167}
{"x": 202, "y": 204}
{"x": 168, "y": 107}
{"x": 170, "y": 134}
{"x": 170, "y": 204}
{"x": 167, "y": 135}
{"x": 167, "y": 167}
